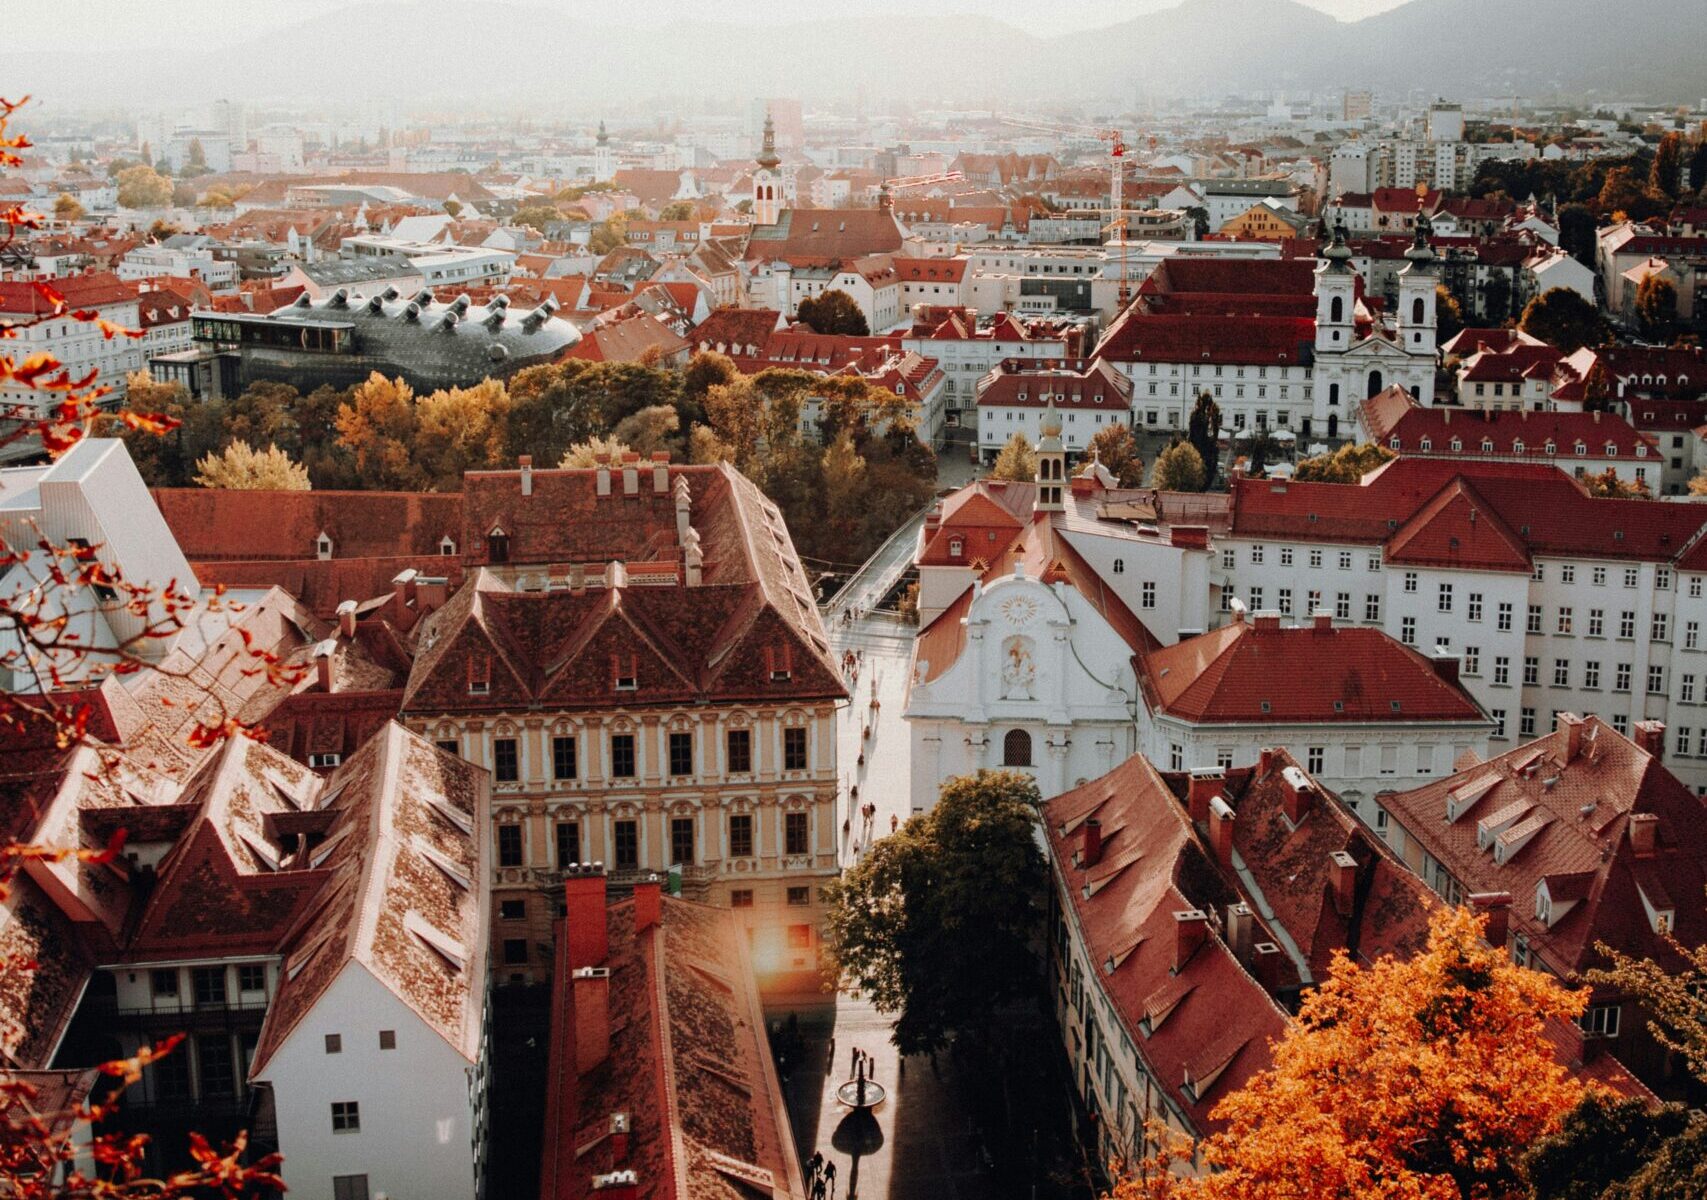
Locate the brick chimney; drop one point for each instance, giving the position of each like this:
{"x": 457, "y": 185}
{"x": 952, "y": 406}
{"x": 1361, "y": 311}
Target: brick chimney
{"x": 323, "y": 661}
{"x": 1322, "y": 621}
{"x": 1571, "y": 726}
{"x": 407, "y": 585}
{"x": 1644, "y": 834}
{"x": 661, "y": 472}
{"x": 1496, "y": 907}
{"x": 1298, "y": 796}
{"x": 1206, "y": 782}
{"x": 1267, "y": 965}
{"x": 631, "y": 473}
{"x": 1191, "y": 928}
{"x": 1266, "y": 622}
{"x": 1650, "y": 736}
{"x": 684, "y": 507}
{"x": 1221, "y": 831}
{"x": 584, "y": 900}
{"x": 618, "y": 1185}
{"x": 1241, "y": 926}
{"x": 526, "y": 462}
{"x": 347, "y": 618}
{"x": 619, "y": 1132}
{"x": 1090, "y": 849}
{"x": 591, "y": 987}
{"x": 431, "y": 593}
{"x": 1342, "y": 877}
{"x": 648, "y": 903}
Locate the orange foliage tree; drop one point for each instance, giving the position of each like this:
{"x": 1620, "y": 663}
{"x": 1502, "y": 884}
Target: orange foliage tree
{"x": 48, "y": 1151}
{"x": 1409, "y": 1080}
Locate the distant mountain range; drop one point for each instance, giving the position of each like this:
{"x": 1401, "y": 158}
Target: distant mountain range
{"x": 450, "y": 51}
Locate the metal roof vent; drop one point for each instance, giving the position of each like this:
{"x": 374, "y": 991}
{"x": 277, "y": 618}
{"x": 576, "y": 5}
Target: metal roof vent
{"x": 411, "y": 311}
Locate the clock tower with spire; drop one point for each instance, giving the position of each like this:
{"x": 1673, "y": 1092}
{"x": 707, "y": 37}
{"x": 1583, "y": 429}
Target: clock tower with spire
{"x": 767, "y": 182}
{"x": 604, "y": 157}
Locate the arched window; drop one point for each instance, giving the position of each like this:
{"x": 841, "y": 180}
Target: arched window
{"x": 498, "y": 546}
{"x": 1417, "y": 311}
{"x": 1333, "y": 395}
{"x": 1374, "y": 383}
{"x": 1336, "y": 311}
{"x": 1016, "y": 748}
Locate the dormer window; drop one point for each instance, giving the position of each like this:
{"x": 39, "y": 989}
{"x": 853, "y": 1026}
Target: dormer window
{"x": 1428, "y": 443}
{"x": 1392, "y": 443}
{"x": 1552, "y": 449}
{"x": 1582, "y": 449}
{"x": 625, "y": 673}
{"x": 1487, "y": 445}
{"x": 497, "y": 546}
{"x": 779, "y": 663}
{"x": 323, "y": 547}
{"x": 1517, "y": 446}
{"x": 479, "y": 676}
{"x": 1641, "y": 451}
{"x": 447, "y": 547}
{"x": 955, "y": 547}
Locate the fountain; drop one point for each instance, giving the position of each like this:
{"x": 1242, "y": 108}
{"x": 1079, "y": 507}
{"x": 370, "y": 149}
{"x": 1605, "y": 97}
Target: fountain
{"x": 859, "y": 1093}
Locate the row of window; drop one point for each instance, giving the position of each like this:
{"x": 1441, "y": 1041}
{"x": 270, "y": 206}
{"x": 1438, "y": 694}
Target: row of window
{"x": 1526, "y": 722}
{"x": 1313, "y": 604}
{"x": 1345, "y": 559}
{"x": 209, "y": 985}
{"x": 623, "y": 758}
{"x": 625, "y": 840}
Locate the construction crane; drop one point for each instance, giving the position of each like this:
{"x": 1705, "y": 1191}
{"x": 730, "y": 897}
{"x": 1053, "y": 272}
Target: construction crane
{"x": 883, "y": 198}
{"x": 1116, "y": 181}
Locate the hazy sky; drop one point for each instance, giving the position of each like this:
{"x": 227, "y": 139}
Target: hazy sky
{"x": 111, "y": 24}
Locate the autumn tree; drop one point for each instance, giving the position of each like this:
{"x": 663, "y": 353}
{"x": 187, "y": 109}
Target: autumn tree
{"x": 652, "y": 430}
{"x": 1615, "y": 1148}
{"x": 587, "y": 454}
{"x": 1015, "y": 462}
{"x": 241, "y": 467}
{"x": 377, "y": 424}
{"x": 1562, "y": 318}
{"x": 1404, "y": 1079}
{"x": 1577, "y": 226}
{"x": 1448, "y": 313}
{"x": 460, "y": 429}
{"x": 1179, "y": 468}
{"x": 936, "y": 924}
{"x": 551, "y": 409}
{"x": 608, "y": 235}
{"x": 144, "y": 187}
{"x": 1665, "y": 175}
{"x": 67, "y": 208}
{"x": 1611, "y": 485}
{"x": 832, "y": 311}
{"x": 1348, "y": 464}
{"x": 536, "y": 216}
{"x": 677, "y": 210}
{"x": 1656, "y": 307}
{"x": 1115, "y": 448}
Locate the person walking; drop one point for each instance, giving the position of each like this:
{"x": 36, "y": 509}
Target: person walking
{"x": 830, "y": 1177}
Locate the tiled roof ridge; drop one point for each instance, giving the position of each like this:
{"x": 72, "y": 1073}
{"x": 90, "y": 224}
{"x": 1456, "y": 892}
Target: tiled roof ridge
{"x": 653, "y": 958}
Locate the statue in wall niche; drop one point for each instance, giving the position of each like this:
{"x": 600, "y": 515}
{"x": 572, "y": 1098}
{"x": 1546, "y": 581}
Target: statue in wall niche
{"x": 1019, "y": 669}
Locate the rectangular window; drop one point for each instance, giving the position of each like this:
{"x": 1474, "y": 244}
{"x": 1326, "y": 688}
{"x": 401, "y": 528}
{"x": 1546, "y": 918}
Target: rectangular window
{"x": 1408, "y": 630}
{"x": 512, "y": 910}
{"x": 449, "y": 746}
{"x": 1498, "y": 714}
{"x": 1256, "y": 599}
{"x": 210, "y": 986}
{"x": 741, "y": 898}
{"x": 1563, "y": 625}
{"x": 1598, "y": 577}
{"x": 1342, "y": 606}
{"x": 568, "y": 843}
{"x": 1662, "y": 627}
{"x": 1256, "y": 556}
{"x": 1345, "y": 560}
{"x": 1443, "y": 600}
{"x": 1597, "y": 622}
{"x": 1410, "y": 581}
{"x": 1314, "y": 758}
{"x": 1372, "y": 608}
{"x": 506, "y": 764}
{"x": 164, "y": 983}
{"x": 515, "y": 952}
{"x": 681, "y": 841}
{"x": 1561, "y": 672}
{"x": 739, "y": 743}
{"x": 1374, "y": 563}
{"x": 681, "y": 754}
{"x": 1285, "y": 602}
{"x": 794, "y": 748}
{"x": 740, "y": 835}
{"x": 799, "y": 897}
{"x": 252, "y": 977}
{"x": 1526, "y": 723}
{"x": 1601, "y": 1020}
{"x": 1286, "y": 556}
{"x": 1621, "y": 678}
{"x": 1148, "y": 595}
{"x": 627, "y": 837}
{"x": 388, "y": 1039}
{"x": 1695, "y": 587}
{"x": 563, "y": 757}
{"x": 1631, "y": 575}
{"x": 1531, "y": 670}
{"x": 1683, "y": 739}
{"x": 349, "y": 1187}
{"x": 1686, "y": 689}
{"x": 1472, "y": 660}
{"x": 1533, "y": 625}
{"x": 1626, "y": 624}
{"x": 1567, "y": 574}
{"x": 622, "y": 755}
{"x": 1502, "y": 670}
{"x": 1315, "y": 559}
{"x": 1228, "y": 562}
{"x": 346, "y": 1116}
{"x": 1621, "y": 724}
{"x": 1540, "y": 571}
{"x": 1502, "y": 617}
{"x": 795, "y": 835}
{"x": 1656, "y": 680}
{"x": 1691, "y": 634}
{"x": 334, "y": 1043}
{"x": 1473, "y": 606}
{"x": 1591, "y": 675}
{"x": 509, "y": 845}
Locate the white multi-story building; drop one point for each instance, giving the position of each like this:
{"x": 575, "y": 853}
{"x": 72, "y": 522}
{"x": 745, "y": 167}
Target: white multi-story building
{"x": 183, "y": 256}
{"x": 79, "y": 345}
{"x": 1024, "y": 397}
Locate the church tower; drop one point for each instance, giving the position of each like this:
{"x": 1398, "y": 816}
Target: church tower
{"x": 1416, "y": 324}
{"x": 604, "y": 157}
{"x": 1336, "y": 296}
{"x": 1051, "y": 463}
{"x": 767, "y": 183}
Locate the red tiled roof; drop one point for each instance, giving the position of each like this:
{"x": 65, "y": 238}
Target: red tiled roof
{"x": 1024, "y": 384}
{"x": 213, "y": 524}
{"x": 80, "y": 291}
{"x": 930, "y": 270}
{"x": 1262, "y": 671}
{"x": 737, "y": 331}
{"x": 1137, "y": 336}
{"x": 1247, "y": 277}
{"x": 1394, "y": 414}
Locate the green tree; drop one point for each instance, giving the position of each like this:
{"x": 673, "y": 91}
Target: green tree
{"x": 453, "y": 208}
{"x": 1656, "y": 307}
{"x": 536, "y": 216}
{"x": 1115, "y": 448}
{"x": 652, "y": 429}
{"x": 197, "y": 156}
{"x": 1563, "y": 319}
{"x": 937, "y": 923}
{"x": 1348, "y": 464}
{"x": 144, "y": 187}
{"x": 1577, "y": 227}
{"x": 1496, "y": 298}
{"x": 551, "y": 410}
{"x": 832, "y": 311}
{"x": 1179, "y": 468}
{"x": 67, "y": 208}
{"x": 1601, "y": 1143}
{"x": 1201, "y": 427}
{"x": 677, "y": 210}
{"x": 608, "y": 235}
{"x": 1016, "y": 462}
{"x": 1263, "y": 448}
